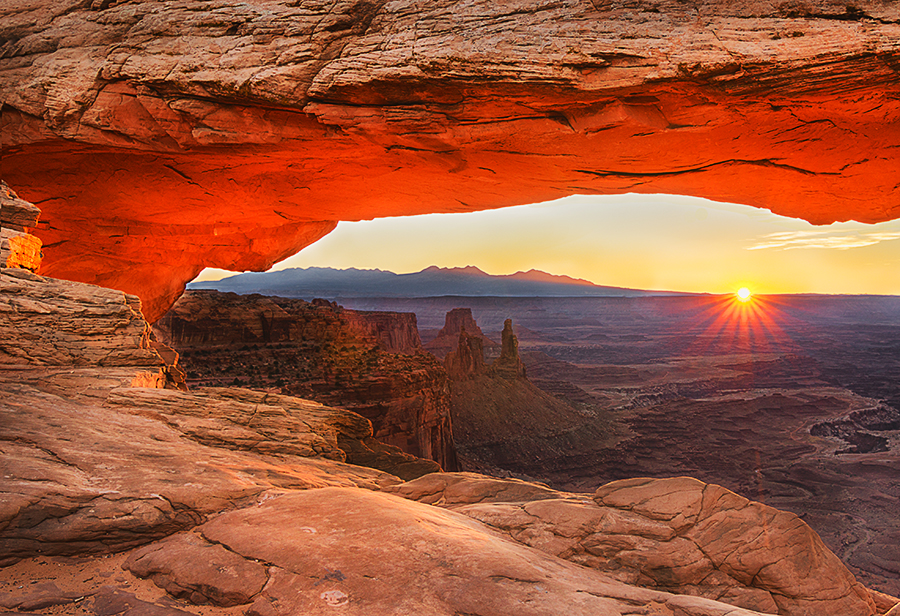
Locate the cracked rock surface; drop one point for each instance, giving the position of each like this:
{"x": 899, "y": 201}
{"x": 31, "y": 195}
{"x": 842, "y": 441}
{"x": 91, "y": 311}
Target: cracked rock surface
{"x": 98, "y": 457}
{"x": 680, "y": 535}
{"x": 233, "y": 135}
{"x": 372, "y": 553}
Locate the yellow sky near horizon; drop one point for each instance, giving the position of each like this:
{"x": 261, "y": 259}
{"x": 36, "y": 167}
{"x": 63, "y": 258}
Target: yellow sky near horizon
{"x": 641, "y": 241}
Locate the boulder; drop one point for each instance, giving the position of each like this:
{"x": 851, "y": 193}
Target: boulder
{"x": 185, "y": 566}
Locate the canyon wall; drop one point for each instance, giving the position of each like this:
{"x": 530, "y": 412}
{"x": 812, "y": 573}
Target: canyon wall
{"x": 232, "y": 136}
{"x": 370, "y": 363}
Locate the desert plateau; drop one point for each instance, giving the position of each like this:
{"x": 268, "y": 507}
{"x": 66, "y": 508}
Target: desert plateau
{"x": 576, "y": 439}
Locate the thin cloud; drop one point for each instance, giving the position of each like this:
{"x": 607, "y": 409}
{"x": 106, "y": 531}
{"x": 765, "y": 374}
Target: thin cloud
{"x": 792, "y": 240}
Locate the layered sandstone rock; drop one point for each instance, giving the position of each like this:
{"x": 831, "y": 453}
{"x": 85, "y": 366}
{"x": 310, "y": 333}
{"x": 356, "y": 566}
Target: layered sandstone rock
{"x": 70, "y": 329}
{"x": 16, "y": 214}
{"x": 396, "y": 332}
{"x": 677, "y": 534}
{"x": 370, "y": 363}
{"x": 364, "y": 553}
{"x": 232, "y": 136}
{"x": 271, "y": 424}
{"x": 457, "y": 321}
{"x": 58, "y": 326}
{"x": 503, "y": 423}
{"x": 80, "y": 477}
{"x": 509, "y": 365}
{"x": 466, "y": 361}
{"x": 17, "y": 247}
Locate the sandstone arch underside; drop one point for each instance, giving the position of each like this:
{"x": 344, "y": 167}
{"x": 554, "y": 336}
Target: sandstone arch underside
{"x": 159, "y": 138}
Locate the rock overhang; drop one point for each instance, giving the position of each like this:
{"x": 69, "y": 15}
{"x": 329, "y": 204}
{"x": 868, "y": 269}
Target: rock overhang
{"x": 159, "y": 138}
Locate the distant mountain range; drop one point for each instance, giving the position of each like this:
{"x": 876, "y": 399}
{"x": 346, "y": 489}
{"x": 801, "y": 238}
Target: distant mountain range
{"x": 434, "y": 281}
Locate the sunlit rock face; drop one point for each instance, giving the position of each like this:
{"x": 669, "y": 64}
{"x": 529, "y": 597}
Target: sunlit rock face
{"x": 18, "y": 249}
{"x": 161, "y": 137}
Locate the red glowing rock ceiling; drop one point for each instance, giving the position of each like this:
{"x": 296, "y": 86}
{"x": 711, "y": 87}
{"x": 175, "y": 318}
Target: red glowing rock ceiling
{"x": 159, "y": 138}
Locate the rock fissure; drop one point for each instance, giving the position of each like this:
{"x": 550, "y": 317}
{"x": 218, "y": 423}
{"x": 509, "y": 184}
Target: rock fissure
{"x": 47, "y": 451}
{"x": 757, "y": 163}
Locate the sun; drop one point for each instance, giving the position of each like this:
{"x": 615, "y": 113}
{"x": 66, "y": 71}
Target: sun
{"x": 744, "y": 294}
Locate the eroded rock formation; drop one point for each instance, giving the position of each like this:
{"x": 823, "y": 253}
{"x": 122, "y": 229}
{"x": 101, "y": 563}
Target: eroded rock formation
{"x": 466, "y": 361}
{"x": 60, "y": 327}
{"x": 370, "y": 363}
{"x": 232, "y": 136}
{"x": 18, "y": 248}
{"x": 502, "y": 422}
{"x": 676, "y": 534}
{"x": 457, "y": 321}
{"x": 509, "y": 365}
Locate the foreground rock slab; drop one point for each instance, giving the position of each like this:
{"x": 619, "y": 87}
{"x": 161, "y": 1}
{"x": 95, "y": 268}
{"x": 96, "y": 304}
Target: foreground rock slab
{"x": 376, "y": 554}
{"x": 679, "y": 535}
{"x": 83, "y": 478}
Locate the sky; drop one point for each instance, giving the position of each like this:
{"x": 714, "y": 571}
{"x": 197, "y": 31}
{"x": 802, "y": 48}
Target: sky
{"x": 662, "y": 242}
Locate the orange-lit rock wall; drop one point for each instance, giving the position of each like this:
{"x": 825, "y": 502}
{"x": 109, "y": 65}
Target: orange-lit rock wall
{"x": 162, "y": 137}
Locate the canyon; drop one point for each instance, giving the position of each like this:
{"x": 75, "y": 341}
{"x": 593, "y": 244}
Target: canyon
{"x": 371, "y": 363}
{"x": 790, "y": 402}
{"x": 793, "y": 403}
{"x": 121, "y": 498}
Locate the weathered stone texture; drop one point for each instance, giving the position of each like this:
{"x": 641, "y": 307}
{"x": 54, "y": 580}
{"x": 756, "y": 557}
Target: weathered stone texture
{"x": 48, "y": 322}
{"x": 231, "y": 135}
{"x": 186, "y": 566}
{"x": 368, "y": 362}
{"x": 21, "y": 250}
{"x": 679, "y": 535}
{"x": 18, "y": 248}
{"x": 16, "y": 214}
{"x": 373, "y": 554}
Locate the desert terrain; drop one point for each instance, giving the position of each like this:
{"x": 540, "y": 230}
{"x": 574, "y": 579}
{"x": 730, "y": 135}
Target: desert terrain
{"x": 791, "y": 401}
{"x": 787, "y": 400}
